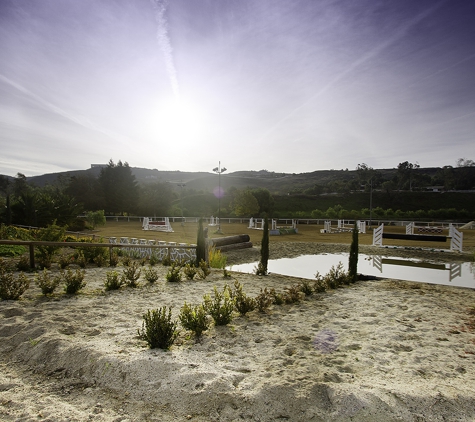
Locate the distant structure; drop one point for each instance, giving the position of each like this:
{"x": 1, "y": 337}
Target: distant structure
{"x": 98, "y": 165}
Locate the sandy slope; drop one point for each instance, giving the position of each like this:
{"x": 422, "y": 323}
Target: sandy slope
{"x": 377, "y": 350}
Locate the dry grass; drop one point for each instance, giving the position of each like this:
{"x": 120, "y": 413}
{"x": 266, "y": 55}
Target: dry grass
{"x": 306, "y": 233}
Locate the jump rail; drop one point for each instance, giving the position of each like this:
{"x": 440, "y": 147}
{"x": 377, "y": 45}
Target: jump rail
{"x": 455, "y": 236}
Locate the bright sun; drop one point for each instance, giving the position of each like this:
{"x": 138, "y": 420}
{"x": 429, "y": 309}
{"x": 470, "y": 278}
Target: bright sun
{"x": 176, "y": 121}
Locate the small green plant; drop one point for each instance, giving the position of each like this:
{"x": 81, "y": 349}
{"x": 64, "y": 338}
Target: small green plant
{"x": 100, "y": 260}
{"x": 278, "y": 298}
{"x": 220, "y": 306}
{"x": 113, "y": 281}
{"x": 46, "y": 283}
{"x": 194, "y": 318}
{"x": 74, "y": 280}
{"x": 93, "y": 254}
{"x": 126, "y": 261}
{"x": 190, "y": 271}
{"x": 132, "y": 274}
{"x": 44, "y": 262}
{"x": 158, "y": 329}
{"x": 64, "y": 261}
{"x": 151, "y": 274}
{"x": 336, "y": 277}
{"x": 154, "y": 259}
{"x": 293, "y": 294}
{"x": 319, "y": 285}
{"x": 80, "y": 259}
{"x": 226, "y": 273}
{"x": 23, "y": 264}
{"x": 216, "y": 258}
{"x": 11, "y": 287}
{"x": 242, "y": 302}
{"x": 173, "y": 274}
{"x": 114, "y": 259}
{"x": 306, "y": 287}
{"x": 264, "y": 299}
{"x": 204, "y": 270}
{"x": 166, "y": 261}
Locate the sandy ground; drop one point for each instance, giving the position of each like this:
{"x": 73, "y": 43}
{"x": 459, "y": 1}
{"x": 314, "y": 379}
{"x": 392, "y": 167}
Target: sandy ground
{"x": 381, "y": 350}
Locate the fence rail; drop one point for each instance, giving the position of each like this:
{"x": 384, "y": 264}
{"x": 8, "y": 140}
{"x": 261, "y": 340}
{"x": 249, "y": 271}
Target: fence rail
{"x": 33, "y": 243}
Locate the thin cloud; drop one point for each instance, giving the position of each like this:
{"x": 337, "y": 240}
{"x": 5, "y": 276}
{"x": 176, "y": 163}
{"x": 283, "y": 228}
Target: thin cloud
{"x": 81, "y": 121}
{"x": 363, "y": 59}
{"x": 160, "y": 7}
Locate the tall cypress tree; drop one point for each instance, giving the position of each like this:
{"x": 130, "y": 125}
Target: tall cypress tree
{"x": 353, "y": 258}
{"x": 200, "y": 244}
{"x": 262, "y": 267}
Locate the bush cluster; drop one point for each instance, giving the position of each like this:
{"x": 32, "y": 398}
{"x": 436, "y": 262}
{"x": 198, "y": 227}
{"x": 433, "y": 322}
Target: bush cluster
{"x": 11, "y": 287}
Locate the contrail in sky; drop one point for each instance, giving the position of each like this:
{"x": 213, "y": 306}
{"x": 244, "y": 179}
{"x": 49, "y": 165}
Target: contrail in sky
{"x": 84, "y": 122}
{"x": 363, "y": 59}
{"x": 160, "y": 7}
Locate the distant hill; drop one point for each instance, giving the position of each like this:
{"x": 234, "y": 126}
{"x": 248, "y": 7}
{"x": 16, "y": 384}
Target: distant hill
{"x": 276, "y": 183}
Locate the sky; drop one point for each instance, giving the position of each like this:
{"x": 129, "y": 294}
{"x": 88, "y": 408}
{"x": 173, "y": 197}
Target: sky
{"x": 286, "y": 86}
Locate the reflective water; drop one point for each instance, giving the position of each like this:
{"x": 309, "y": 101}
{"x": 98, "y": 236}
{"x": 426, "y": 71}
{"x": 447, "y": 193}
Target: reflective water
{"x": 306, "y": 266}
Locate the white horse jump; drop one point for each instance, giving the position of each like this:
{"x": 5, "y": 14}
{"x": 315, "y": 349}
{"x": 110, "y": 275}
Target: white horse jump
{"x": 161, "y": 225}
{"x": 342, "y": 227}
{"x": 455, "y": 236}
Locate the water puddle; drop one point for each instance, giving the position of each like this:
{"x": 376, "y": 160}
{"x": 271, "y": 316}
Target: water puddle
{"x": 461, "y": 274}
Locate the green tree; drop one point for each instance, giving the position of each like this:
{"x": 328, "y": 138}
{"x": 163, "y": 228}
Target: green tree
{"x": 96, "y": 218}
{"x": 265, "y": 200}
{"x": 119, "y": 188}
{"x": 245, "y": 204}
{"x": 155, "y": 199}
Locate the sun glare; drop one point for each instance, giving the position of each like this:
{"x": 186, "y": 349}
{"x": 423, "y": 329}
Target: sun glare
{"x": 176, "y": 121}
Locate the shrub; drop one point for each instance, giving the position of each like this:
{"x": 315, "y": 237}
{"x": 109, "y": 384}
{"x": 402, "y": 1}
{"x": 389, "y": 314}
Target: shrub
{"x": 204, "y": 270}
{"x": 12, "y": 288}
{"x": 278, "y": 298}
{"x": 23, "y": 264}
{"x": 74, "y": 281}
{"x": 127, "y": 261}
{"x": 190, "y": 271}
{"x": 114, "y": 259}
{"x": 132, "y": 274}
{"x": 194, "y": 318}
{"x": 319, "y": 285}
{"x": 158, "y": 329}
{"x": 113, "y": 281}
{"x": 336, "y": 277}
{"x": 173, "y": 274}
{"x": 242, "y": 302}
{"x": 305, "y": 287}
{"x": 264, "y": 299}
{"x": 51, "y": 233}
{"x": 220, "y": 306}
{"x": 46, "y": 283}
{"x": 166, "y": 261}
{"x": 93, "y": 254}
{"x": 11, "y": 250}
{"x": 154, "y": 259}
{"x": 216, "y": 258}
{"x": 151, "y": 274}
{"x": 64, "y": 261}
{"x": 293, "y": 294}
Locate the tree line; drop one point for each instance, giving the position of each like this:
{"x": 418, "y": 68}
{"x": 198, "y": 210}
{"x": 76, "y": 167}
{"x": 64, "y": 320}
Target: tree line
{"x": 117, "y": 192}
